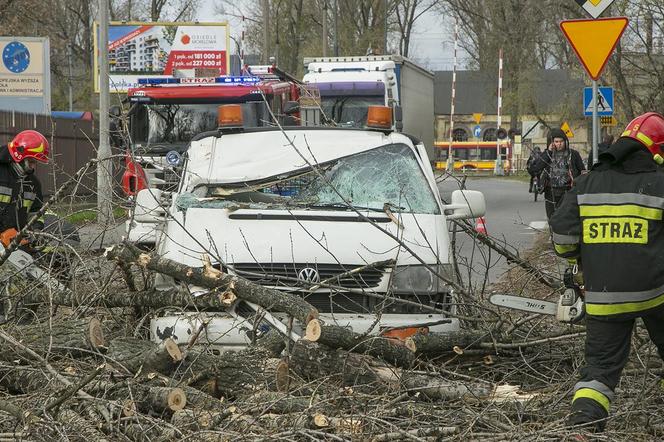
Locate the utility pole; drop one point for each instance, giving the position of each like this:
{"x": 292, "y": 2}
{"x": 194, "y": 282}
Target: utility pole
{"x": 336, "y": 28}
{"x": 325, "y": 28}
{"x": 104, "y": 165}
{"x": 385, "y": 3}
{"x": 266, "y": 25}
{"x": 71, "y": 89}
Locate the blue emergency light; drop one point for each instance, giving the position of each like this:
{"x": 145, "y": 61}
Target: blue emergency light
{"x": 225, "y": 79}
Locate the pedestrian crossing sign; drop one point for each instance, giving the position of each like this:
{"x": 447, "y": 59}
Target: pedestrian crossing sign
{"x": 604, "y": 101}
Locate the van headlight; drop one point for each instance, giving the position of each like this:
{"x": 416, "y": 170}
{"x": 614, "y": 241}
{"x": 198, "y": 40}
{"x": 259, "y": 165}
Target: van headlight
{"x": 419, "y": 280}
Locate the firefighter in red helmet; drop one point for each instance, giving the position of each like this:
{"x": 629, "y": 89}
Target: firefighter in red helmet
{"x": 20, "y": 190}
{"x": 613, "y": 222}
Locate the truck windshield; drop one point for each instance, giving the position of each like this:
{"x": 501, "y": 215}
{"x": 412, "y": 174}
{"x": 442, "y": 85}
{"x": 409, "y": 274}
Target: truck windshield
{"x": 349, "y": 111}
{"x": 159, "y": 124}
{"x": 367, "y": 180}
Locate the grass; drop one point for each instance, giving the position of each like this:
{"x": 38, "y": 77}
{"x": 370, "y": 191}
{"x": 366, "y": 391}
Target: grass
{"x": 90, "y": 215}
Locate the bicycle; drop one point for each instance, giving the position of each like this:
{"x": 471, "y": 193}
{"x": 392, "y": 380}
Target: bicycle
{"x": 537, "y": 188}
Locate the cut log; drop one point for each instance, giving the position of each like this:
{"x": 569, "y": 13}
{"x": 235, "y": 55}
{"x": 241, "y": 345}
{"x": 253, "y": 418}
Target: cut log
{"x": 148, "y": 433}
{"x": 390, "y": 350}
{"x": 139, "y": 355}
{"x": 435, "y": 344}
{"x": 313, "y": 361}
{"x": 232, "y": 373}
{"x": 147, "y": 398}
{"x": 66, "y": 337}
{"x": 83, "y": 429}
{"x": 270, "y": 299}
{"x": 197, "y": 419}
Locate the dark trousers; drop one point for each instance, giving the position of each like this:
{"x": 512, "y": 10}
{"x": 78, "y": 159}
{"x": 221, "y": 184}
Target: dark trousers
{"x": 553, "y": 196}
{"x": 607, "y": 351}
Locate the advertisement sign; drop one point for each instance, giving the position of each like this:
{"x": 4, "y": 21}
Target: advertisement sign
{"x": 154, "y": 50}
{"x": 25, "y": 74}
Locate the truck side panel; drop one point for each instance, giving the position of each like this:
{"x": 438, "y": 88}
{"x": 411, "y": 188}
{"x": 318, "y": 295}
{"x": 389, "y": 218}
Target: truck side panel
{"x": 416, "y": 96}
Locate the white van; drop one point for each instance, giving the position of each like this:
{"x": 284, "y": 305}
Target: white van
{"x": 294, "y": 208}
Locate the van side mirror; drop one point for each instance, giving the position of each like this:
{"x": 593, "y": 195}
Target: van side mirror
{"x": 398, "y": 118}
{"x": 291, "y": 107}
{"x": 466, "y": 204}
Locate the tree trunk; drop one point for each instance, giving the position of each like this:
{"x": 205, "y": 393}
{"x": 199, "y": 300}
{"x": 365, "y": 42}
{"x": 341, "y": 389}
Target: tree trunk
{"x": 435, "y": 344}
{"x": 390, "y": 350}
{"x": 209, "y": 277}
{"x": 139, "y": 355}
{"x": 66, "y": 337}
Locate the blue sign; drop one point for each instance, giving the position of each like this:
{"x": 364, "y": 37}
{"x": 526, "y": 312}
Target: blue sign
{"x": 477, "y": 131}
{"x": 16, "y": 57}
{"x": 604, "y": 101}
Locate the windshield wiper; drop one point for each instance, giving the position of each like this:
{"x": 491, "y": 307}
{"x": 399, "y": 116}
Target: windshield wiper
{"x": 343, "y": 206}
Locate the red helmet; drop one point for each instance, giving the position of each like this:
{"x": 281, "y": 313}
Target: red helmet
{"x": 29, "y": 144}
{"x": 648, "y": 129}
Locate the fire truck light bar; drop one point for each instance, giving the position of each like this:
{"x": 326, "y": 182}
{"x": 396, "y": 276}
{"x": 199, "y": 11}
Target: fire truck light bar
{"x": 227, "y": 79}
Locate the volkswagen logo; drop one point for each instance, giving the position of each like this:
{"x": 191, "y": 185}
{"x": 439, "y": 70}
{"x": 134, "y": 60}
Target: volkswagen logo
{"x": 308, "y": 274}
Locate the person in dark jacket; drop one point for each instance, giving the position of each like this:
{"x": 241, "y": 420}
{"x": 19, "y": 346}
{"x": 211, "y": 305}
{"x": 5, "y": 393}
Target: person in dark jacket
{"x": 534, "y": 154}
{"x": 602, "y": 147}
{"x": 612, "y": 221}
{"x": 557, "y": 167}
{"x": 20, "y": 190}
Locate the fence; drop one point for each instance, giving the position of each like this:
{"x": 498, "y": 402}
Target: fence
{"x": 73, "y": 143}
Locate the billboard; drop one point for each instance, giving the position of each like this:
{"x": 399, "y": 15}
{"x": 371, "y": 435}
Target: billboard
{"x": 153, "y": 50}
{"x": 25, "y": 74}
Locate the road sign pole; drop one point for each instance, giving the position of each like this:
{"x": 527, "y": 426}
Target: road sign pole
{"x": 595, "y": 123}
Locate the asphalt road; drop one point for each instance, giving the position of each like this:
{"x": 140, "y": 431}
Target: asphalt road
{"x": 511, "y": 216}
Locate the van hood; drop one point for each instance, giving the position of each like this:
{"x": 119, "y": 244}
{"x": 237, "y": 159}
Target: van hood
{"x": 251, "y": 156}
{"x": 302, "y": 237}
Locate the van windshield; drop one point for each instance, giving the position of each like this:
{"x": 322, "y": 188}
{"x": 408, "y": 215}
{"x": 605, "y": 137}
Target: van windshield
{"x": 367, "y": 180}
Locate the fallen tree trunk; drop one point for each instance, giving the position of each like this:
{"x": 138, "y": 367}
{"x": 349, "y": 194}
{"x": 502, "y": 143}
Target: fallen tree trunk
{"x": 435, "y": 344}
{"x": 66, "y": 337}
{"x": 231, "y": 373}
{"x": 390, "y": 350}
{"x": 227, "y": 286}
{"x": 313, "y": 361}
{"x": 139, "y": 355}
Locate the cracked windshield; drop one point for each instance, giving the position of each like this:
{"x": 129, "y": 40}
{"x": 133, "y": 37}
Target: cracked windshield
{"x": 368, "y": 180}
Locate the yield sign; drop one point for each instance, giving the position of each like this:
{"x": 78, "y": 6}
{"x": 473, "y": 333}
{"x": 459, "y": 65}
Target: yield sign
{"x": 594, "y": 7}
{"x": 594, "y": 40}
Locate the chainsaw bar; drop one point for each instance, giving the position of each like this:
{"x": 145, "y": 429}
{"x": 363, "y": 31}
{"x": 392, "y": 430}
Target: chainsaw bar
{"x": 525, "y": 304}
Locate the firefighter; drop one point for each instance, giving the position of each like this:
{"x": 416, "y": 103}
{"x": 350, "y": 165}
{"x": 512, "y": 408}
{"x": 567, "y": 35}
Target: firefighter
{"x": 613, "y": 221}
{"x": 20, "y": 190}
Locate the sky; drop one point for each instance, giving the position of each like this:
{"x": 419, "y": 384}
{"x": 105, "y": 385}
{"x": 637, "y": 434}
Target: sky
{"x": 432, "y": 43}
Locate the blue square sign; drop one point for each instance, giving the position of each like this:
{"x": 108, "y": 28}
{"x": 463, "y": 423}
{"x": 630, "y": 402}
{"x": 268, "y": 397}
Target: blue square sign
{"x": 604, "y": 101}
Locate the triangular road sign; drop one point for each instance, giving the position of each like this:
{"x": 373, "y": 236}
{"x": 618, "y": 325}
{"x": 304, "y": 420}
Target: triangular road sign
{"x": 594, "y": 40}
{"x": 603, "y": 105}
{"x": 568, "y": 130}
{"x": 594, "y": 7}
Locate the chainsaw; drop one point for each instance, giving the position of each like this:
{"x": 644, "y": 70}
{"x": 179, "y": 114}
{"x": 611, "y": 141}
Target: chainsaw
{"x": 570, "y": 307}
{"x": 22, "y": 262}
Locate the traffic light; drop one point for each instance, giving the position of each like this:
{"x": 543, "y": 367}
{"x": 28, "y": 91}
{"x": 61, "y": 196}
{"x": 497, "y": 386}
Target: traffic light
{"x": 501, "y": 133}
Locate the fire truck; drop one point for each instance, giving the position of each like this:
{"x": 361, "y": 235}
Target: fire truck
{"x": 165, "y": 114}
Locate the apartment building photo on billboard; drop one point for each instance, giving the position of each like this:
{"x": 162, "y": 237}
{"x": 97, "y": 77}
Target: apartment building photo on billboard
{"x": 143, "y": 50}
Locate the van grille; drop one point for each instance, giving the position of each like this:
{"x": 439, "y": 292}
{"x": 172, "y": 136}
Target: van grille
{"x": 288, "y": 274}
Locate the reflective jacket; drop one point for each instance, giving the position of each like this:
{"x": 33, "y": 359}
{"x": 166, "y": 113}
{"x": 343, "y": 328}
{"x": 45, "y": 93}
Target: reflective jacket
{"x": 612, "y": 219}
{"x": 19, "y": 196}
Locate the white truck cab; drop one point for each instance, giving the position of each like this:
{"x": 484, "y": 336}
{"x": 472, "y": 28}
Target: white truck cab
{"x": 299, "y": 209}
